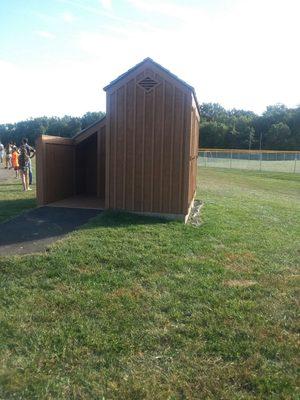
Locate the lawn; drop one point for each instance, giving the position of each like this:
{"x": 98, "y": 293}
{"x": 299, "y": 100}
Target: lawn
{"x": 136, "y": 308}
{"x": 12, "y": 198}
{"x": 290, "y": 165}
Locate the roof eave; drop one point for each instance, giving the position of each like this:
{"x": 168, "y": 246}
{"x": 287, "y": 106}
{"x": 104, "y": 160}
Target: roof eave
{"x": 149, "y": 60}
{"x": 88, "y": 127}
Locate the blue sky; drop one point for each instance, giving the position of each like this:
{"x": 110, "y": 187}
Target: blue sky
{"x": 57, "y": 55}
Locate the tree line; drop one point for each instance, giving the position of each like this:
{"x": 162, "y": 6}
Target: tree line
{"x": 278, "y": 128}
{"x": 66, "y": 126}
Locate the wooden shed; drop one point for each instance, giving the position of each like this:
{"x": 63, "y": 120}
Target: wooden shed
{"x": 141, "y": 157}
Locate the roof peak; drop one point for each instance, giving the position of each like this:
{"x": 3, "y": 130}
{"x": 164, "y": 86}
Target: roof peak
{"x": 157, "y": 65}
{"x": 147, "y": 59}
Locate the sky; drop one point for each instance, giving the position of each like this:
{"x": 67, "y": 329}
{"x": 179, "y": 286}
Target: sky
{"x": 57, "y": 55}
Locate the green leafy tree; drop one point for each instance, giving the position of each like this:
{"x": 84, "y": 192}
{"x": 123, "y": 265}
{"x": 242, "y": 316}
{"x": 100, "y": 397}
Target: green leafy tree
{"x": 91, "y": 117}
{"x": 278, "y": 136}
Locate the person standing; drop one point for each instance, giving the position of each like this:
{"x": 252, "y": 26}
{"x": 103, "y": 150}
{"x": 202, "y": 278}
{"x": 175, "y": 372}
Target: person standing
{"x": 8, "y": 151}
{"x": 1, "y": 152}
{"x": 15, "y": 160}
{"x": 24, "y": 167}
{"x": 31, "y": 153}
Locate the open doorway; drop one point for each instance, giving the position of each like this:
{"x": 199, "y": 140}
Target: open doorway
{"x": 86, "y": 167}
{"x": 71, "y": 171}
{"x": 87, "y": 173}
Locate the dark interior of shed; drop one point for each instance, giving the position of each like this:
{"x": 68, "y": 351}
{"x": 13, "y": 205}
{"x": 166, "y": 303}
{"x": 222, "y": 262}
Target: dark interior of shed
{"x": 86, "y": 167}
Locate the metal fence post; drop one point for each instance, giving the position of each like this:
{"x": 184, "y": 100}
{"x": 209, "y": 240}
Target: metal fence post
{"x": 260, "y": 160}
{"x": 295, "y": 163}
{"x": 230, "y": 159}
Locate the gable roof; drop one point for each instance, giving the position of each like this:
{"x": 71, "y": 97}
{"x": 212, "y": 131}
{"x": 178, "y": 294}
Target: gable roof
{"x": 89, "y": 130}
{"x": 149, "y": 60}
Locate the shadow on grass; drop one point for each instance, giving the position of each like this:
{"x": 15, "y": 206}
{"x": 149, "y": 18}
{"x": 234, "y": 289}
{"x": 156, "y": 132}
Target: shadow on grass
{"x": 34, "y": 230}
{"x": 11, "y": 208}
{"x": 121, "y": 219}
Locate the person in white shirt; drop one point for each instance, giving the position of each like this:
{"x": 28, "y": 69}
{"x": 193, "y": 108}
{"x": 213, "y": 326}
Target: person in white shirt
{"x": 1, "y": 153}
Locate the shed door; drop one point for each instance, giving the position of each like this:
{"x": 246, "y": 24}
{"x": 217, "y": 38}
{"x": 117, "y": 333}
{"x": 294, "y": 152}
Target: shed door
{"x": 55, "y": 169}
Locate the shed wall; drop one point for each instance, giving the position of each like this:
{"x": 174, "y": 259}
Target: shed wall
{"x": 148, "y": 145}
{"x": 55, "y": 169}
{"x": 193, "y": 154}
{"x": 101, "y": 156}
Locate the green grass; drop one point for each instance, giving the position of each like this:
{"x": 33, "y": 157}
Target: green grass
{"x": 13, "y": 200}
{"x": 239, "y": 163}
{"x": 136, "y": 308}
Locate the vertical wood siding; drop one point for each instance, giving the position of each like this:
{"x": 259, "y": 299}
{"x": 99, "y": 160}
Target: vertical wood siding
{"x": 148, "y": 146}
{"x": 55, "y": 166}
{"x": 101, "y": 162}
{"x": 193, "y": 154}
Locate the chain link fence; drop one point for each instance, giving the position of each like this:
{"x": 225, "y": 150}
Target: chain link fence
{"x": 277, "y": 161}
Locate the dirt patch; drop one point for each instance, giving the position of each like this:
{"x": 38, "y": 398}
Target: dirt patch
{"x": 131, "y": 293}
{"x": 6, "y": 174}
{"x": 240, "y": 283}
{"x": 239, "y": 262}
{"x": 237, "y": 267}
{"x": 194, "y": 218}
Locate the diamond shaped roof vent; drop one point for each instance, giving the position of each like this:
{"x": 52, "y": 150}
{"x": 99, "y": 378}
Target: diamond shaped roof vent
{"x": 148, "y": 83}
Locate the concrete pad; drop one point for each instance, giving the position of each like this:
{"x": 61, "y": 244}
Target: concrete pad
{"x": 80, "y": 201}
{"x": 33, "y": 231}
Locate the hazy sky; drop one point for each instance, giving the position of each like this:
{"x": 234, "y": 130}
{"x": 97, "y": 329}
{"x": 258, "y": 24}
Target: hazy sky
{"x": 57, "y": 55}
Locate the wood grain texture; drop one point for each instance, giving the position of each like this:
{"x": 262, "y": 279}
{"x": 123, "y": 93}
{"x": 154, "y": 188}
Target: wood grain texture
{"x": 143, "y": 154}
{"x": 150, "y": 134}
{"x": 55, "y": 169}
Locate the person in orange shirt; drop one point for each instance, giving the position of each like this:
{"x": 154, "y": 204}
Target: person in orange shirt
{"x": 15, "y": 160}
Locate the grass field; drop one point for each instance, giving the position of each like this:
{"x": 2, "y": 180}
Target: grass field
{"x": 136, "y": 308}
{"x": 13, "y": 200}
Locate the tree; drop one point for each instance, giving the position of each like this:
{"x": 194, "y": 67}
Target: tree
{"x": 278, "y": 136}
{"x": 213, "y": 134}
{"x": 90, "y": 117}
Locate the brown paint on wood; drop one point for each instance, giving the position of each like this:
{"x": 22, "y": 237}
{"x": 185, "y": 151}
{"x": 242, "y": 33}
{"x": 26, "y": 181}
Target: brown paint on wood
{"x": 151, "y": 169}
{"x": 152, "y": 150}
{"x": 101, "y": 162}
{"x": 138, "y": 177}
{"x": 162, "y": 133}
{"x": 134, "y": 146}
{"x": 171, "y": 198}
{"x": 186, "y": 155}
{"x": 157, "y": 154}
{"x": 167, "y": 153}
{"x": 111, "y": 166}
{"x": 176, "y": 189}
{"x": 148, "y": 129}
{"x": 120, "y": 144}
{"x": 125, "y": 149}
{"x": 129, "y": 127}
{"x": 40, "y": 171}
{"x": 55, "y": 168}
{"x": 146, "y": 147}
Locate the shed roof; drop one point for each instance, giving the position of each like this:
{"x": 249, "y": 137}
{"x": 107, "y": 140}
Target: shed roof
{"x": 88, "y": 131}
{"x": 150, "y": 61}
